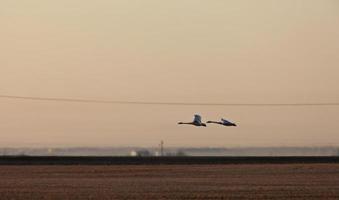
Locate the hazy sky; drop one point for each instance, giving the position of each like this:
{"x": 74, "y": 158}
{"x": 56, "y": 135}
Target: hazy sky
{"x": 239, "y": 51}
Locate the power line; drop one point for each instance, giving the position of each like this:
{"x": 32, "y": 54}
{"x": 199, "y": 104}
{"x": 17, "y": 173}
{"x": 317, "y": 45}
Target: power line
{"x": 71, "y": 100}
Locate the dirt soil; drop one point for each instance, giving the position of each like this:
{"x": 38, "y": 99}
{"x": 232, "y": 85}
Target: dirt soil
{"x": 267, "y": 181}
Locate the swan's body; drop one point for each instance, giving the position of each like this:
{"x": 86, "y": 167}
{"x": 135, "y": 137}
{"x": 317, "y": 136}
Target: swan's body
{"x": 223, "y": 122}
{"x": 196, "y": 121}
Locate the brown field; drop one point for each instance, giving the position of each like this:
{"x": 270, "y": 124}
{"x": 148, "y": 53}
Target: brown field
{"x": 268, "y": 181}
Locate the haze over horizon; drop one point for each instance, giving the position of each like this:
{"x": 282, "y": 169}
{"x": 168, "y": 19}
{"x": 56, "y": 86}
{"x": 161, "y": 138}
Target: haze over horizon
{"x": 169, "y": 51}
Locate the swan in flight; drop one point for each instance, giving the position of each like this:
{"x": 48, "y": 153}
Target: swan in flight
{"x": 223, "y": 122}
{"x": 196, "y": 121}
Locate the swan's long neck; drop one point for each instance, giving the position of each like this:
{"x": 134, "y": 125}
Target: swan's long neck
{"x": 185, "y": 122}
{"x": 214, "y": 122}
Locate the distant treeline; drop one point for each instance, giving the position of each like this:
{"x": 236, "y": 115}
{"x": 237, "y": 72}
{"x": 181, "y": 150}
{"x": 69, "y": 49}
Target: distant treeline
{"x": 126, "y": 151}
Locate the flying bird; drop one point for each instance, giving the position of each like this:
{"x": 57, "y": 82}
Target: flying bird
{"x": 223, "y": 122}
{"x": 196, "y": 121}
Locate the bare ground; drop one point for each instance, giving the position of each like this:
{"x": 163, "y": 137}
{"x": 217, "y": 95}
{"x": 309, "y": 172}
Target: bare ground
{"x": 267, "y": 181}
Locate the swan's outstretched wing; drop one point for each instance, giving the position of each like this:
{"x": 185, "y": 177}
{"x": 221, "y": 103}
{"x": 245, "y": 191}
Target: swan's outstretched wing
{"x": 197, "y": 119}
{"x": 224, "y": 121}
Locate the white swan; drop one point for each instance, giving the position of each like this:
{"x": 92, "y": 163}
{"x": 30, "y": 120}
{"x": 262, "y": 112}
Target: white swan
{"x": 196, "y": 121}
{"x": 223, "y": 122}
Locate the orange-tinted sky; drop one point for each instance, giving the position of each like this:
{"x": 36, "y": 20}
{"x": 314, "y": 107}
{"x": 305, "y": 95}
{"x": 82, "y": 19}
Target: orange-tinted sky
{"x": 243, "y": 51}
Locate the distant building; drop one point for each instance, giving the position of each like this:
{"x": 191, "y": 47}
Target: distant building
{"x": 133, "y": 153}
{"x": 157, "y": 154}
{"x": 140, "y": 153}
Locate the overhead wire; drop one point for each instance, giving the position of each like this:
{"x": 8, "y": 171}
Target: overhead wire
{"x": 74, "y": 100}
